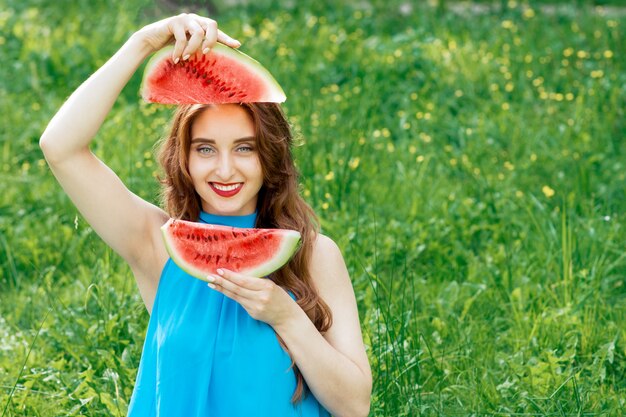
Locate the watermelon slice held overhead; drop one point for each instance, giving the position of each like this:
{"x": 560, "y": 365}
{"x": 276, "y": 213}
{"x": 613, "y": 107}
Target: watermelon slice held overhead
{"x": 199, "y": 248}
{"x": 224, "y": 75}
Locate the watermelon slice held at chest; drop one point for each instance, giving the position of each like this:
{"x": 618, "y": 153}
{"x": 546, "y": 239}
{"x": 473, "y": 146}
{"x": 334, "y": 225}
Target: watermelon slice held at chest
{"x": 224, "y": 75}
{"x": 200, "y": 249}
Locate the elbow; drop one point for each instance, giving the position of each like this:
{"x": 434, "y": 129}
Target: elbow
{"x": 46, "y": 147}
{"x": 52, "y": 149}
{"x": 365, "y": 409}
{"x": 361, "y": 408}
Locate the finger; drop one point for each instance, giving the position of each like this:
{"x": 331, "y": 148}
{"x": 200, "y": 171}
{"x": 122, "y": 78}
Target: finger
{"x": 227, "y": 40}
{"x": 225, "y": 286}
{"x": 210, "y": 36}
{"x": 250, "y": 283}
{"x": 197, "y": 34}
{"x": 226, "y": 292}
{"x": 181, "y": 41}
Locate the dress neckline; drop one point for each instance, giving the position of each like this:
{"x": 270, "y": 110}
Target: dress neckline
{"x": 243, "y": 221}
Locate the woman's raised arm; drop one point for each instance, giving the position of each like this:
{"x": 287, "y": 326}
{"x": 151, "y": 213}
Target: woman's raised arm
{"x": 128, "y": 224}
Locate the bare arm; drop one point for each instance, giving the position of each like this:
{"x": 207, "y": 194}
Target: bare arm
{"x": 335, "y": 366}
{"x": 109, "y": 207}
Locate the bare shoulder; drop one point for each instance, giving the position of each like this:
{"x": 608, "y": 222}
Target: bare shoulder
{"x": 330, "y": 276}
{"x": 322, "y": 244}
{"x": 327, "y": 263}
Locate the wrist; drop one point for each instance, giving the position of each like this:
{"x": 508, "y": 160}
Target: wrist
{"x": 139, "y": 45}
{"x": 291, "y": 319}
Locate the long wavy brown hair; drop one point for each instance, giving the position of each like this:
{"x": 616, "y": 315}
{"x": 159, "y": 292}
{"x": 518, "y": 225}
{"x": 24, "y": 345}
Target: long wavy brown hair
{"x": 279, "y": 204}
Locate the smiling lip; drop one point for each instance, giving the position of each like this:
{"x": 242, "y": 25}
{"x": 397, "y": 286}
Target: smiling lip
{"x": 224, "y": 193}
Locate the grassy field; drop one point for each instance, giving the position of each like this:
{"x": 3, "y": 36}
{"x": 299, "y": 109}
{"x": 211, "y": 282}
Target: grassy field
{"x": 471, "y": 166}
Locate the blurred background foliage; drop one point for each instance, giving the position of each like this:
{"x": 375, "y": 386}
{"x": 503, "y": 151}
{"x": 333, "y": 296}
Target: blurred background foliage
{"x": 468, "y": 158}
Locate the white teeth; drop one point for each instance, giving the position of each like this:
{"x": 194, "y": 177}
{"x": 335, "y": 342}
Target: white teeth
{"x": 226, "y": 188}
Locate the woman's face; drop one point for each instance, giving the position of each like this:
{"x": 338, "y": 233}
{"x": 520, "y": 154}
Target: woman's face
{"x": 224, "y": 161}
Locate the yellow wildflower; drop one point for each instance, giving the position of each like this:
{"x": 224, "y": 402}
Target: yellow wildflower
{"x": 547, "y": 191}
{"x": 597, "y": 74}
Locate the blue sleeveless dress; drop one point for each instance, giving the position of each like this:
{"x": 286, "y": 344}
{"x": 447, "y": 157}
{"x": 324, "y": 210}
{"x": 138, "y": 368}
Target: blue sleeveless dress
{"x": 205, "y": 356}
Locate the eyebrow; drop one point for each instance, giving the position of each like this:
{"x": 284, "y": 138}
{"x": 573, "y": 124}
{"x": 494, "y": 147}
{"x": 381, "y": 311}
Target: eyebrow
{"x": 212, "y": 141}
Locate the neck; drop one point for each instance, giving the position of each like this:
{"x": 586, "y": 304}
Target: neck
{"x": 244, "y": 221}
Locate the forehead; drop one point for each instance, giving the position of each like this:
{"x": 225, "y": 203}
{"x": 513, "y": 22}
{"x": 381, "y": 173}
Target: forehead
{"x": 223, "y": 122}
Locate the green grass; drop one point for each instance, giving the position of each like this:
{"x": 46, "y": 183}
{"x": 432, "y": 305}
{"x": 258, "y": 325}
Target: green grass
{"x": 471, "y": 168}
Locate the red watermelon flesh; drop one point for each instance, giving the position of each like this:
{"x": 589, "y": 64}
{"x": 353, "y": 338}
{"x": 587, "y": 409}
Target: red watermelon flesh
{"x": 200, "y": 249}
{"x": 224, "y": 75}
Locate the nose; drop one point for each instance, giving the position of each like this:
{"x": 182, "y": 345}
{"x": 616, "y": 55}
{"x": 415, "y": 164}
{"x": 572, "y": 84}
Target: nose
{"x": 225, "y": 167}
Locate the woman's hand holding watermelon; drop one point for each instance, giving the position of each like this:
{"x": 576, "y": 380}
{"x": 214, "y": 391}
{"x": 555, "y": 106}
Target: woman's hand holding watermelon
{"x": 203, "y": 34}
{"x": 261, "y": 298}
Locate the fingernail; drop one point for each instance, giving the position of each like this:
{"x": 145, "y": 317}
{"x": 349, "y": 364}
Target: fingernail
{"x": 238, "y": 43}
{"x": 176, "y": 60}
{"x": 186, "y": 57}
{"x": 210, "y": 278}
{"x": 211, "y": 286}
{"x": 205, "y": 50}
{"x": 221, "y": 272}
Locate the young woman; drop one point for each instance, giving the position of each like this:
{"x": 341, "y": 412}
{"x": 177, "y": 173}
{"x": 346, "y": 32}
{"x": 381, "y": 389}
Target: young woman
{"x": 285, "y": 345}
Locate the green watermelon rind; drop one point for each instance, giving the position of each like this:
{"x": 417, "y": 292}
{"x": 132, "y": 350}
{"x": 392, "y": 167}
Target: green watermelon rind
{"x": 275, "y": 90}
{"x": 290, "y": 243}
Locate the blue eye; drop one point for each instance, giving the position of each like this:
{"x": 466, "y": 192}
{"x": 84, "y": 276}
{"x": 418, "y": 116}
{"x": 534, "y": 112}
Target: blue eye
{"x": 205, "y": 150}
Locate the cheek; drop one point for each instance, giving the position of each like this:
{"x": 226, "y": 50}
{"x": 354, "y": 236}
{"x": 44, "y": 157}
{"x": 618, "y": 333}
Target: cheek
{"x": 256, "y": 168}
{"x": 195, "y": 168}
